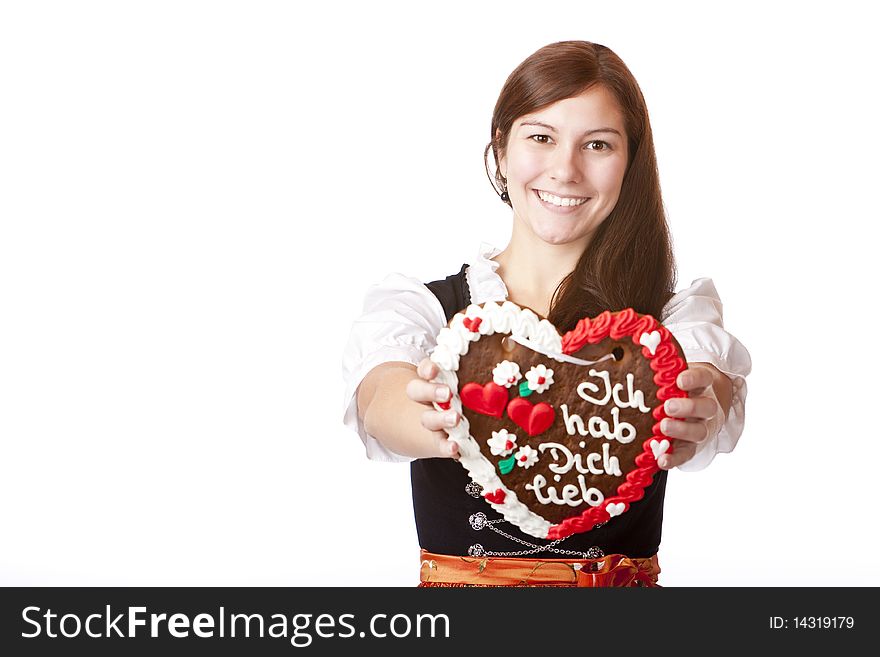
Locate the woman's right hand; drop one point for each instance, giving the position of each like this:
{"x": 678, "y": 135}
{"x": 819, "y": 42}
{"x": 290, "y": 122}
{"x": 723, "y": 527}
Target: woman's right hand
{"x": 422, "y": 390}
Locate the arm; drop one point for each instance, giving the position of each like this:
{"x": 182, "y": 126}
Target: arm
{"x": 394, "y": 403}
{"x": 712, "y": 419}
{"x": 386, "y": 401}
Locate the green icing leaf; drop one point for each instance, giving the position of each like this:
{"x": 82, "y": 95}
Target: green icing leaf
{"x": 506, "y": 465}
{"x": 524, "y": 390}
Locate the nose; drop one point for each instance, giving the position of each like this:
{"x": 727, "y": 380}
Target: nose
{"x": 566, "y": 166}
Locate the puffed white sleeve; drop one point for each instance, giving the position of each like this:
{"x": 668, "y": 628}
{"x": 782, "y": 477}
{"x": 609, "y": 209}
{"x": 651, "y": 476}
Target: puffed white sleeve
{"x": 694, "y": 316}
{"x": 399, "y": 322}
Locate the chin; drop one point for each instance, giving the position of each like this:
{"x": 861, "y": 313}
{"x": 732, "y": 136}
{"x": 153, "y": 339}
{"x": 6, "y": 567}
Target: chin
{"x": 556, "y": 237}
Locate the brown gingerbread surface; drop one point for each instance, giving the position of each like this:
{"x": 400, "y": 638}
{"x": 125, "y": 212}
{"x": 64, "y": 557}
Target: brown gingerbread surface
{"x": 589, "y": 461}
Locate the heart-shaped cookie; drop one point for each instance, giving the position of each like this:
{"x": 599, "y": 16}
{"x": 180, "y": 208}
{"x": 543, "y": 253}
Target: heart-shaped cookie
{"x": 562, "y": 432}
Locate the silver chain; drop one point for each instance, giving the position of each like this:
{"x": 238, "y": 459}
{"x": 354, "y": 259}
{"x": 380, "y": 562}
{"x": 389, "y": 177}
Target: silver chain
{"x": 479, "y": 521}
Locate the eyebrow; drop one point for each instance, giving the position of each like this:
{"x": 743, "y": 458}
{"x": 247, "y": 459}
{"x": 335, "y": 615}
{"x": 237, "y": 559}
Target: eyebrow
{"x": 552, "y": 129}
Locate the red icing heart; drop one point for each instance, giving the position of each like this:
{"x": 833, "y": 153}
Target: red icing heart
{"x": 472, "y": 325}
{"x": 489, "y": 399}
{"x": 534, "y": 418}
{"x": 497, "y": 497}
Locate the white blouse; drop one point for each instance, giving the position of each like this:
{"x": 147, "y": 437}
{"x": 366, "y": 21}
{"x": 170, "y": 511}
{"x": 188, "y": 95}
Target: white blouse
{"x": 401, "y": 319}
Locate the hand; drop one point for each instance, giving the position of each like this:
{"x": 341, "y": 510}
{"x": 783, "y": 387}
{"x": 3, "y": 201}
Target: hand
{"x": 423, "y": 391}
{"x": 699, "y": 416}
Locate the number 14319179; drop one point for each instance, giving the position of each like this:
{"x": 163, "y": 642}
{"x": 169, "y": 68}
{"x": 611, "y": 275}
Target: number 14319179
{"x": 812, "y": 622}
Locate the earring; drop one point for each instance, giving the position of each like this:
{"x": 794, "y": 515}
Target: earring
{"x": 505, "y": 196}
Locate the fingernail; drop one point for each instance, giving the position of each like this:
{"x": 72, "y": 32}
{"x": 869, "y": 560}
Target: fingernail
{"x": 665, "y": 425}
{"x": 663, "y": 462}
{"x": 441, "y": 393}
{"x": 686, "y": 380}
{"x": 672, "y": 406}
{"x": 450, "y": 418}
{"x": 450, "y": 448}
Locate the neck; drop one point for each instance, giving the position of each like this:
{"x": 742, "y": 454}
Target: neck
{"x": 533, "y": 269}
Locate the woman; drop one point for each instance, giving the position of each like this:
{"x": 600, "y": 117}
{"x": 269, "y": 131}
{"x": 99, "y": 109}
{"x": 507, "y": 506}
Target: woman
{"x": 576, "y": 163}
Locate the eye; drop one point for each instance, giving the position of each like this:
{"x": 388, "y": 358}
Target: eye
{"x": 540, "y": 137}
{"x": 605, "y": 145}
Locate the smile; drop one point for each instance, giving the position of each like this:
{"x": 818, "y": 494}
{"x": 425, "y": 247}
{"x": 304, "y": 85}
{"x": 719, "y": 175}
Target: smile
{"x": 559, "y": 200}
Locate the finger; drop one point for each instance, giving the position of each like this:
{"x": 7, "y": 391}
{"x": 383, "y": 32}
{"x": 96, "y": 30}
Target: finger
{"x": 682, "y": 453}
{"x": 443, "y": 447}
{"x": 439, "y": 420}
{"x": 422, "y": 391}
{"x": 694, "y": 379}
{"x": 703, "y": 408}
{"x": 427, "y": 369}
{"x": 693, "y": 432}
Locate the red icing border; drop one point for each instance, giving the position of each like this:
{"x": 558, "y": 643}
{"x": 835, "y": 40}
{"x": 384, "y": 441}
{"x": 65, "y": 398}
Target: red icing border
{"x": 667, "y": 365}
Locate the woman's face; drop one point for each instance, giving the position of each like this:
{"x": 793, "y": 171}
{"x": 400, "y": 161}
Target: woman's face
{"x": 580, "y": 152}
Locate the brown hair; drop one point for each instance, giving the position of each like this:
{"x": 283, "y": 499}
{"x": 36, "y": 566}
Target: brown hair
{"x": 629, "y": 261}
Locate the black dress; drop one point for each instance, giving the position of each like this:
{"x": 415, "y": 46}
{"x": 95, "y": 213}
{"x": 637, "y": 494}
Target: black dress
{"x": 445, "y": 501}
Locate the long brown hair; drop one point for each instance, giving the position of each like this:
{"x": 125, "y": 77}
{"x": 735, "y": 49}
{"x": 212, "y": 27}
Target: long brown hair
{"x": 629, "y": 261}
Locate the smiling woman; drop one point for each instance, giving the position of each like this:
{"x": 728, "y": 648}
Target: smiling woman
{"x": 576, "y": 164}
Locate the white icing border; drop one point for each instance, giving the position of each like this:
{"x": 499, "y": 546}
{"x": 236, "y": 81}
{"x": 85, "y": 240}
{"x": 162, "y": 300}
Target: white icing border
{"x": 452, "y": 343}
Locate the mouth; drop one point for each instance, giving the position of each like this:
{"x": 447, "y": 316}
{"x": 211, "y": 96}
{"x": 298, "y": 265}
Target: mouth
{"x": 560, "y": 202}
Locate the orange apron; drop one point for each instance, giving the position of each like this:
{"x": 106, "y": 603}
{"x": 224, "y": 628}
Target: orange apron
{"x": 610, "y": 570}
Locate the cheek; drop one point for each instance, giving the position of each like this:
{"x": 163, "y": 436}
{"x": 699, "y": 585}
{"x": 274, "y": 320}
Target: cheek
{"x": 609, "y": 179}
{"x": 524, "y": 167}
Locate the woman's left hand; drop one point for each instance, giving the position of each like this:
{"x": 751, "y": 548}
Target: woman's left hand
{"x": 698, "y": 417}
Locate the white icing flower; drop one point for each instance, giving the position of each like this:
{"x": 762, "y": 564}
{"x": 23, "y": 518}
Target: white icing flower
{"x": 502, "y": 443}
{"x": 506, "y": 373}
{"x": 526, "y": 457}
{"x": 539, "y": 378}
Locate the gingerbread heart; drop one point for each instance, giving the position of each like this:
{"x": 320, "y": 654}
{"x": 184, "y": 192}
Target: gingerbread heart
{"x": 562, "y": 432}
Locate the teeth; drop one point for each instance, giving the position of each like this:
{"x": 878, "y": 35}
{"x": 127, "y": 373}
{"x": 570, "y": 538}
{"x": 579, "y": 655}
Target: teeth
{"x": 561, "y": 202}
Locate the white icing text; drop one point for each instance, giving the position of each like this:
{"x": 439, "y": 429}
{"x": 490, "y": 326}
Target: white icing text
{"x": 636, "y": 397}
{"x": 597, "y": 463}
{"x": 596, "y": 427}
{"x": 571, "y": 495}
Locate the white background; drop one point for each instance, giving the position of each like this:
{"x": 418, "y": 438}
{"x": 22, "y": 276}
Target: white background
{"x": 195, "y": 196}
